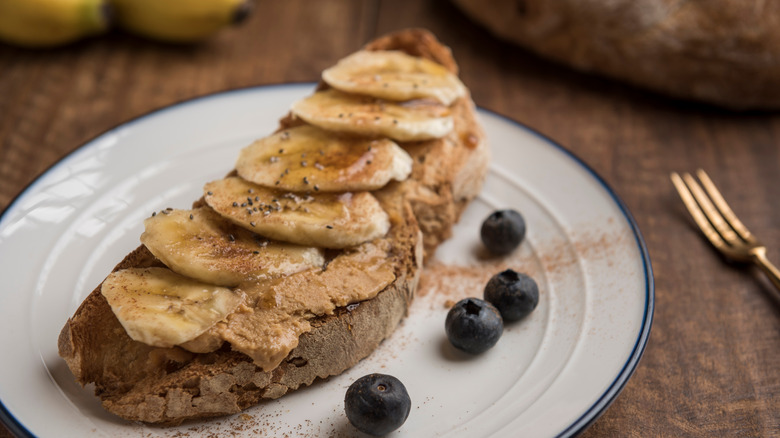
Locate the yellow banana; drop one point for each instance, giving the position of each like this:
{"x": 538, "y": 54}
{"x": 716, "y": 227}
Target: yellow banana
{"x": 47, "y": 23}
{"x": 179, "y": 20}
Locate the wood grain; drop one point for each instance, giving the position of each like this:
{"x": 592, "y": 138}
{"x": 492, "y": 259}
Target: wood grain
{"x": 710, "y": 367}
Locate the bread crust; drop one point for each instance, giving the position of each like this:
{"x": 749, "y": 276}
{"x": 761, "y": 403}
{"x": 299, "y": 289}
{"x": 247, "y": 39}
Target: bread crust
{"x": 170, "y": 385}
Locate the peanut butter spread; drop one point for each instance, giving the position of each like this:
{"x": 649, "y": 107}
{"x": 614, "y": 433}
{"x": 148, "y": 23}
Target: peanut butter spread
{"x": 277, "y": 312}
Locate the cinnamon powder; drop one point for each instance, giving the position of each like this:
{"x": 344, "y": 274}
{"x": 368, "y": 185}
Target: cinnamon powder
{"x": 452, "y": 282}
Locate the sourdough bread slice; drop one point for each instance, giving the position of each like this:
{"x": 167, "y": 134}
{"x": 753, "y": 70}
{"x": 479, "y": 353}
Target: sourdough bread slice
{"x": 169, "y": 385}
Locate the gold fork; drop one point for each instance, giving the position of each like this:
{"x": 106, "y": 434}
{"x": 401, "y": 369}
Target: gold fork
{"x": 720, "y": 225}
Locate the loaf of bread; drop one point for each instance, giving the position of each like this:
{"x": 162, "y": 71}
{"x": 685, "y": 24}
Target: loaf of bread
{"x": 724, "y": 52}
{"x": 168, "y": 385}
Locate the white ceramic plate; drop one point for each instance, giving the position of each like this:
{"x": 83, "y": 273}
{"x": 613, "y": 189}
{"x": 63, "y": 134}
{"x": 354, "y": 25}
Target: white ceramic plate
{"x": 550, "y": 375}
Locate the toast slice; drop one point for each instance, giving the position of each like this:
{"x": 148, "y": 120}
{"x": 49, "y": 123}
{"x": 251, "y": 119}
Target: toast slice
{"x": 168, "y": 385}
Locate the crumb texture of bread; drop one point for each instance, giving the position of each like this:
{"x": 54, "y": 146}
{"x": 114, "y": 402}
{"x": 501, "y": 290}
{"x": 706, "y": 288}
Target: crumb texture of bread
{"x": 171, "y": 385}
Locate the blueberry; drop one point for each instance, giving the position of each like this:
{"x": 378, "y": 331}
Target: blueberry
{"x": 473, "y": 325}
{"x": 503, "y": 231}
{"x": 377, "y": 404}
{"x": 514, "y": 294}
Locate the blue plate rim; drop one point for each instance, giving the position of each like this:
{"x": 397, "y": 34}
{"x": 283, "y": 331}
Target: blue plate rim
{"x": 578, "y": 426}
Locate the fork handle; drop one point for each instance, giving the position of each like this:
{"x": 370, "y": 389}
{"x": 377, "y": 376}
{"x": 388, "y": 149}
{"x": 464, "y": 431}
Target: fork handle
{"x": 759, "y": 257}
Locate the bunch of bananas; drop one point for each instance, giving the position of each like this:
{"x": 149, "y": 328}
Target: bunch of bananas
{"x": 48, "y": 23}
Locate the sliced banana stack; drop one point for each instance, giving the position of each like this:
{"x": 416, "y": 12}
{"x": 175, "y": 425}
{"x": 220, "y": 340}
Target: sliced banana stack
{"x": 368, "y": 116}
{"x": 394, "y": 75}
{"x": 161, "y": 308}
{"x": 308, "y": 186}
{"x": 307, "y": 158}
{"x": 201, "y": 244}
{"x": 324, "y": 220}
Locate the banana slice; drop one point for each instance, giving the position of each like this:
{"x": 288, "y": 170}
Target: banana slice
{"x": 394, "y": 75}
{"x": 179, "y": 21}
{"x": 307, "y": 158}
{"x": 200, "y": 244}
{"x": 161, "y": 308}
{"x": 324, "y": 220}
{"x": 403, "y": 121}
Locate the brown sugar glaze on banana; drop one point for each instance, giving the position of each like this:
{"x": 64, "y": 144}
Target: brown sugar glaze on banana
{"x": 324, "y": 220}
{"x": 309, "y": 159}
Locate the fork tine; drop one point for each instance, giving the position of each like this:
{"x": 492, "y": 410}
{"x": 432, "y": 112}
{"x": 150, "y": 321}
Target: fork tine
{"x": 724, "y": 208}
{"x": 709, "y": 210}
{"x": 696, "y": 212}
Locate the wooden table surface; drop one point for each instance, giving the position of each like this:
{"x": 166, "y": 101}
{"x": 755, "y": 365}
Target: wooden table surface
{"x": 710, "y": 368}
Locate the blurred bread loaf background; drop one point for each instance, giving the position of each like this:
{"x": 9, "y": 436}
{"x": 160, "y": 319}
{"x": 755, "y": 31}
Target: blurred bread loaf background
{"x": 723, "y": 52}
